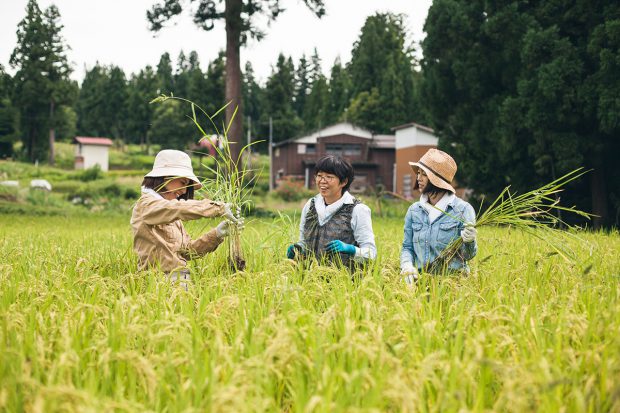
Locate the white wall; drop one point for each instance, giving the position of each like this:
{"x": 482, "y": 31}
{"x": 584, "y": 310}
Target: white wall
{"x": 95, "y": 154}
{"x": 413, "y": 136}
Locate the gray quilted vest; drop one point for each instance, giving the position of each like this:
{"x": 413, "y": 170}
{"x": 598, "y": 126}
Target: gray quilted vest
{"x": 338, "y": 227}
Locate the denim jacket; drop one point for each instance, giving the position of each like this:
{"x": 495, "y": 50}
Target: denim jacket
{"x": 424, "y": 241}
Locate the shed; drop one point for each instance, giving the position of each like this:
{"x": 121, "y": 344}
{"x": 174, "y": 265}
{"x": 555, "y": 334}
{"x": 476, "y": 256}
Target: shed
{"x": 91, "y": 151}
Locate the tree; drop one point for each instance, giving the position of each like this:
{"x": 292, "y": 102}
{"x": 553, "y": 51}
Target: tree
{"x": 61, "y": 90}
{"x": 9, "y": 116}
{"x": 302, "y": 86}
{"x": 142, "y": 88}
{"x": 41, "y": 82}
{"x": 214, "y": 92}
{"x": 164, "y": 74}
{"x": 92, "y": 120}
{"x": 339, "y": 92}
{"x": 521, "y": 93}
{"x": 240, "y": 19}
{"x": 171, "y": 128}
{"x": 380, "y": 60}
{"x": 253, "y": 100}
{"x": 279, "y": 94}
{"x": 115, "y": 103}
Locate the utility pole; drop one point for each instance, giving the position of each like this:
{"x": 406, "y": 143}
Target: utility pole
{"x": 270, "y": 154}
{"x": 249, "y": 149}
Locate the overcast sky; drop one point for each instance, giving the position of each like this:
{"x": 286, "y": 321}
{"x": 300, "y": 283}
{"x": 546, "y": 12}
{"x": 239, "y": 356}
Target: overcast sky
{"x": 116, "y": 32}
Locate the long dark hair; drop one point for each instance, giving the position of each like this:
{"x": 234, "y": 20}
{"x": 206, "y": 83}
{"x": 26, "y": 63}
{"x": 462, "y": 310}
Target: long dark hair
{"x": 158, "y": 184}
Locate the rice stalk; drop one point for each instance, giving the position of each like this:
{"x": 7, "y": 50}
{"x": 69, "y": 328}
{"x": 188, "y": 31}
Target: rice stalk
{"x": 532, "y": 212}
{"x": 231, "y": 183}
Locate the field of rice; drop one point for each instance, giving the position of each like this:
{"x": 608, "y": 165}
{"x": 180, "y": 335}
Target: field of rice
{"x": 81, "y": 330}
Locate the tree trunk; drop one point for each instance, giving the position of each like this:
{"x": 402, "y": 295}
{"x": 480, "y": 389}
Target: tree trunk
{"x": 52, "y": 157}
{"x": 598, "y": 186}
{"x": 233, "y": 76}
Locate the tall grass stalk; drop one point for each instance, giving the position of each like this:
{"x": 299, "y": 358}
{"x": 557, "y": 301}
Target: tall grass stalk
{"x": 536, "y": 212}
{"x": 231, "y": 183}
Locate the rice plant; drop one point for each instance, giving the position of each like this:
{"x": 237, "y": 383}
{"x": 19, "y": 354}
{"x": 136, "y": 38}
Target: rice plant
{"x": 231, "y": 183}
{"x": 82, "y": 330}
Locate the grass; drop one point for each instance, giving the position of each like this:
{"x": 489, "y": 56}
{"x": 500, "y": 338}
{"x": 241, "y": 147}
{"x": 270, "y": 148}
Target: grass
{"x": 82, "y": 330}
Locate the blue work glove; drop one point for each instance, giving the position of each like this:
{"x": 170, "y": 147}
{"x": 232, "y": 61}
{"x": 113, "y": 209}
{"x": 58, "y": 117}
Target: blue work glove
{"x": 293, "y": 250}
{"x": 339, "y": 246}
{"x": 290, "y": 252}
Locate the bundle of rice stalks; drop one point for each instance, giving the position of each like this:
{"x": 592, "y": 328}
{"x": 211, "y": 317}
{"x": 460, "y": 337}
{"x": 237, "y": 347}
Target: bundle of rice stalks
{"x": 231, "y": 182}
{"x": 536, "y": 212}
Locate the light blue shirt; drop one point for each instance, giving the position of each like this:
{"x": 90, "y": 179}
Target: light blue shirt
{"x": 361, "y": 223}
{"x": 424, "y": 238}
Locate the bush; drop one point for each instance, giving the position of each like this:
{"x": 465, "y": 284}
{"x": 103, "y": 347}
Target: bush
{"x": 91, "y": 174}
{"x": 290, "y": 189}
{"x": 9, "y": 193}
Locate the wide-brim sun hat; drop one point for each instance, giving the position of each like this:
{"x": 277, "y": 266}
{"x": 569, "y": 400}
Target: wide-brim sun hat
{"x": 174, "y": 164}
{"x": 439, "y": 167}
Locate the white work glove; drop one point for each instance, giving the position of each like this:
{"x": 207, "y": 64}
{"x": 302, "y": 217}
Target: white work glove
{"x": 228, "y": 214}
{"x": 409, "y": 274}
{"x": 468, "y": 234}
{"x": 223, "y": 228}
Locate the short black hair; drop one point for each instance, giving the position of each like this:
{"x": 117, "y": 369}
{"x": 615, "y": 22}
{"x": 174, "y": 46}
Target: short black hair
{"x": 338, "y": 166}
{"x": 431, "y": 189}
{"x": 157, "y": 183}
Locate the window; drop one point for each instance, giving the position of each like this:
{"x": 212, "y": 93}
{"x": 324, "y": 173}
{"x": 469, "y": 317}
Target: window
{"x": 343, "y": 149}
{"x": 311, "y": 148}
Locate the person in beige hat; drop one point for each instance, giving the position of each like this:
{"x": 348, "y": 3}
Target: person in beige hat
{"x": 438, "y": 218}
{"x": 160, "y": 240}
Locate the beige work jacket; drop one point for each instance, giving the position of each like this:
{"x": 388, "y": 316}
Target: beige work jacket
{"x": 161, "y": 241}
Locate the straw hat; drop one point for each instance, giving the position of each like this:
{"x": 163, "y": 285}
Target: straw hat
{"x": 439, "y": 167}
{"x": 172, "y": 163}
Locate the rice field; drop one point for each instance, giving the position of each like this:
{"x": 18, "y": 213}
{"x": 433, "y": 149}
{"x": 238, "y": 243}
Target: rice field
{"x": 81, "y": 330}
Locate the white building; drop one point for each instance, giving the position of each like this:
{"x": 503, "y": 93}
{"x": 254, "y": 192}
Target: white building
{"x": 91, "y": 151}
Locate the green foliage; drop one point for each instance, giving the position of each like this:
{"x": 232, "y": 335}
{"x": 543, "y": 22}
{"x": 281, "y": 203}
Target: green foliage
{"x": 382, "y": 61}
{"x": 41, "y": 83}
{"x": 290, "y": 189}
{"x": 520, "y": 95}
{"x": 279, "y": 94}
{"x": 91, "y": 174}
{"x": 171, "y": 127}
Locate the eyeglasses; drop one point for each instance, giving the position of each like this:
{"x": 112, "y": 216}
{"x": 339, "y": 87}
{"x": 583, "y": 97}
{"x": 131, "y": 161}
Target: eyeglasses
{"x": 326, "y": 178}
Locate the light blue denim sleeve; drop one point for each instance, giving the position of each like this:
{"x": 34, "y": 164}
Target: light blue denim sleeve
{"x": 302, "y": 223}
{"x": 407, "y": 255}
{"x": 361, "y": 224}
{"x": 470, "y": 249}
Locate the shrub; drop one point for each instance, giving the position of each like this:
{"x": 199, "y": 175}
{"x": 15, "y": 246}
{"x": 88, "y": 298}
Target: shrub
{"x": 290, "y": 189}
{"x": 91, "y": 174}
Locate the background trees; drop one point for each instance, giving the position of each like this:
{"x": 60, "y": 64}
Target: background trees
{"x": 41, "y": 85}
{"x": 240, "y": 18}
{"x": 521, "y": 93}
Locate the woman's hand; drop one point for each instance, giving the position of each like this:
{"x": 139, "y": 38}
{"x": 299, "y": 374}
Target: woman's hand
{"x": 468, "y": 234}
{"x": 228, "y": 214}
{"x": 409, "y": 274}
{"x": 339, "y": 246}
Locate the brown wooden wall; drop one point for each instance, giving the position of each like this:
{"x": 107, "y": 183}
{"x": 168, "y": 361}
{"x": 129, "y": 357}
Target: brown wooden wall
{"x": 376, "y": 164}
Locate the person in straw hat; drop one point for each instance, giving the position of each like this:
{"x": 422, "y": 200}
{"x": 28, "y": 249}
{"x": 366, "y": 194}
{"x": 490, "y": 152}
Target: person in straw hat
{"x": 160, "y": 240}
{"x": 438, "y": 218}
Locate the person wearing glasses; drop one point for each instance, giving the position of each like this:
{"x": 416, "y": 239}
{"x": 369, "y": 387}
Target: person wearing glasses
{"x": 335, "y": 227}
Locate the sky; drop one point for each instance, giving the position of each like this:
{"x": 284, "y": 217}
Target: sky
{"x": 116, "y": 32}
